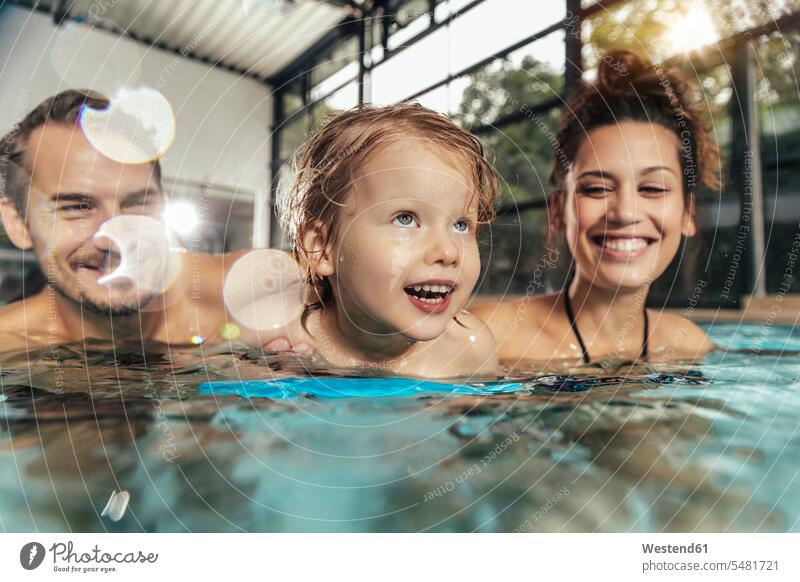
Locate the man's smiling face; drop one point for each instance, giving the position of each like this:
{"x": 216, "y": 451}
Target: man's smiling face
{"x": 74, "y": 189}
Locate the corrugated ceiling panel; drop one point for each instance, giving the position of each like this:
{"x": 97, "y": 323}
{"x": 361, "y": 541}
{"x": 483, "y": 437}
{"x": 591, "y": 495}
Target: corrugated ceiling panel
{"x": 249, "y": 35}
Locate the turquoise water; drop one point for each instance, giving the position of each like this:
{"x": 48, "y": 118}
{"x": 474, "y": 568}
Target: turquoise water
{"x": 202, "y": 442}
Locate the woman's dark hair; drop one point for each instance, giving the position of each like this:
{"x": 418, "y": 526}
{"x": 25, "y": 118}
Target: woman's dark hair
{"x": 630, "y": 88}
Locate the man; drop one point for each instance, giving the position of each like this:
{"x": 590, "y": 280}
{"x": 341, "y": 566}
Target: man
{"x": 57, "y": 190}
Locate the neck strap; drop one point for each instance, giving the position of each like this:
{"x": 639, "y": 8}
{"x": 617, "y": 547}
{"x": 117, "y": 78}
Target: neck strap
{"x": 574, "y": 325}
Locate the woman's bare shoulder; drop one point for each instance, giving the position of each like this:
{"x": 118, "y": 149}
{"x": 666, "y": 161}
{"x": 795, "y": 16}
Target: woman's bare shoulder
{"x": 674, "y": 336}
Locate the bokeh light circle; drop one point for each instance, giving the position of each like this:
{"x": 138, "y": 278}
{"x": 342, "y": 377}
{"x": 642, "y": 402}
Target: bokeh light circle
{"x": 264, "y": 290}
{"x": 138, "y": 126}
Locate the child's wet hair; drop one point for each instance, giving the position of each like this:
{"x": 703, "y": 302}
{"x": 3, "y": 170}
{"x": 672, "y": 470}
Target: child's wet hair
{"x": 630, "y": 88}
{"x": 325, "y": 166}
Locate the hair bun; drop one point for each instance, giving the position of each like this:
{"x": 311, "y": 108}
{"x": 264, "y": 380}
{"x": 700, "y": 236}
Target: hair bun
{"x": 622, "y": 72}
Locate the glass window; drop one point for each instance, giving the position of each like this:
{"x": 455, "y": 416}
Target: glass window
{"x": 523, "y": 156}
{"x": 344, "y": 98}
{"x": 415, "y": 68}
{"x": 494, "y": 25}
{"x": 224, "y": 215}
{"x": 409, "y": 22}
{"x": 518, "y": 257}
{"x": 291, "y": 98}
{"x": 528, "y": 76}
{"x": 777, "y": 59}
{"x": 292, "y": 134}
{"x": 343, "y": 55}
{"x": 336, "y": 80}
{"x": 437, "y": 99}
{"x": 664, "y": 28}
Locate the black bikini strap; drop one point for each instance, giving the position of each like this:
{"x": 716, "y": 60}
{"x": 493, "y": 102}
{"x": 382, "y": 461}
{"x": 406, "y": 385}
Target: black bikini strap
{"x": 646, "y": 339}
{"x": 573, "y": 324}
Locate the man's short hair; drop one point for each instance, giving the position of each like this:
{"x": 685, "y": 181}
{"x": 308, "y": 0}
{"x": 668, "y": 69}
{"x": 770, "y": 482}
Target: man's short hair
{"x": 63, "y": 108}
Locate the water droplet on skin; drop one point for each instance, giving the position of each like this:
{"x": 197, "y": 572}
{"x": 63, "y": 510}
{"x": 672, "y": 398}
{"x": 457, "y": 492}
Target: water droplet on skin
{"x": 472, "y": 338}
{"x": 197, "y": 340}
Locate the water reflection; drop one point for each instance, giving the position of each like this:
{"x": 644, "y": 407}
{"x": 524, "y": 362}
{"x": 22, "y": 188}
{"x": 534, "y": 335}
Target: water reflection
{"x": 643, "y": 450}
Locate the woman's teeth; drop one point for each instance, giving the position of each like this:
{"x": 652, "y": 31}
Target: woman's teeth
{"x": 624, "y": 244}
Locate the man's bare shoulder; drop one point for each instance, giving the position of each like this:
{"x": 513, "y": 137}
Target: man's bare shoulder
{"x": 23, "y": 314}
{"x": 23, "y": 322}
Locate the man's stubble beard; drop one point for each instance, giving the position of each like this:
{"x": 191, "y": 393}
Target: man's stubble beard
{"x": 83, "y": 302}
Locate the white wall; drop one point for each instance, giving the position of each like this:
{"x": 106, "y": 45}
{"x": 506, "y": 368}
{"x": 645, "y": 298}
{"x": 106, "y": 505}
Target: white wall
{"x": 222, "y": 119}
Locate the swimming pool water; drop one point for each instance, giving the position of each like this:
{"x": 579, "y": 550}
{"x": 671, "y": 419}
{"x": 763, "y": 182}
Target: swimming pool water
{"x": 202, "y": 442}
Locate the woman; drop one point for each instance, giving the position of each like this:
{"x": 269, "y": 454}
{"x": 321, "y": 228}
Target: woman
{"x": 632, "y": 151}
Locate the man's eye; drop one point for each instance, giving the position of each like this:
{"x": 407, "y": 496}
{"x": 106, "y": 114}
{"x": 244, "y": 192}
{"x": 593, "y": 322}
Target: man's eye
{"x": 462, "y": 226}
{"x": 405, "y": 219}
{"x": 144, "y": 206}
{"x": 73, "y": 209}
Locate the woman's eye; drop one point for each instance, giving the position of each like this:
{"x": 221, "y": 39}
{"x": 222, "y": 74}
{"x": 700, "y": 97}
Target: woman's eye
{"x": 595, "y": 190}
{"x": 461, "y": 226}
{"x": 654, "y": 189}
{"x": 405, "y": 219}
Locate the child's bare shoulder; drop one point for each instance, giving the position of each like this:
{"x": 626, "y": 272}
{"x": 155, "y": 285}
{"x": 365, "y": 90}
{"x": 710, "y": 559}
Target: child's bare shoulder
{"x": 468, "y": 346}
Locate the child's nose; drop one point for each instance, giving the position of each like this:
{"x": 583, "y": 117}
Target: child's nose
{"x": 441, "y": 249}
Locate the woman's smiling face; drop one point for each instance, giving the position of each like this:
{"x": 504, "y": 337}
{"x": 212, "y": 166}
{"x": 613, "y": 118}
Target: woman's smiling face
{"x": 624, "y": 207}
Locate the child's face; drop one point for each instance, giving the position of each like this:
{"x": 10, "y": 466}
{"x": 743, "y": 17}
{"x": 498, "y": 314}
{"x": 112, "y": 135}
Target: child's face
{"x": 406, "y": 256}
{"x": 625, "y": 209}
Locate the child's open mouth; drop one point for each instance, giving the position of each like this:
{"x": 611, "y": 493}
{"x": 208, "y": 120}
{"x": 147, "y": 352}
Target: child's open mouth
{"x": 430, "y": 297}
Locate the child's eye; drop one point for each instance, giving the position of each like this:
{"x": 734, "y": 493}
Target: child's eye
{"x": 405, "y": 219}
{"x": 462, "y": 225}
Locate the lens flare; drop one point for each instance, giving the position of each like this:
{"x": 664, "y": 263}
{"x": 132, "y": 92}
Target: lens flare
{"x": 691, "y": 31}
{"x": 181, "y": 217}
{"x": 147, "y": 258}
{"x": 138, "y": 126}
{"x": 229, "y": 331}
{"x": 264, "y": 290}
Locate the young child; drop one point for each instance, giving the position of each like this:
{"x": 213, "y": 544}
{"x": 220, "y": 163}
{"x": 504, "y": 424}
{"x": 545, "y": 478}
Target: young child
{"x": 383, "y": 214}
